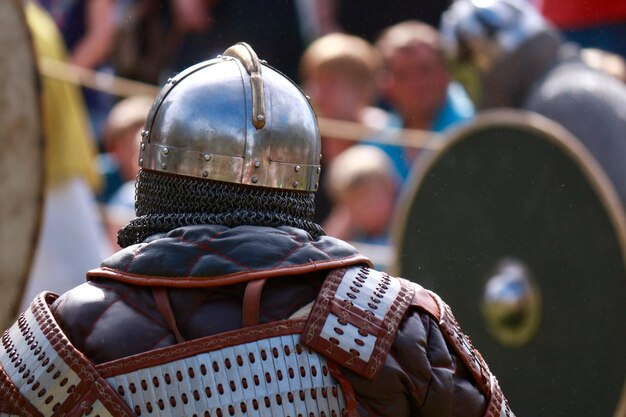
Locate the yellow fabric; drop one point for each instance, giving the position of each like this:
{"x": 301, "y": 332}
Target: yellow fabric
{"x": 70, "y": 146}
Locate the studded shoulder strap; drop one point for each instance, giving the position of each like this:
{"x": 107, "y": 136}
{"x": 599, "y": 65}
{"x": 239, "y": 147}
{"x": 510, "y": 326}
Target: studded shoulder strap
{"x": 460, "y": 343}
{"x": 356, "y": 316}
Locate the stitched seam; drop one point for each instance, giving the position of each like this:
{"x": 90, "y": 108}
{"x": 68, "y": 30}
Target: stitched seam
{"x": 160, "y": 340}
{"x": 137, "y": 307}
{"x": 132, "y": 258}
{"x": 316, "y": 245}
{"x": 207, "y": 249}
{"x": 288, "y": 255}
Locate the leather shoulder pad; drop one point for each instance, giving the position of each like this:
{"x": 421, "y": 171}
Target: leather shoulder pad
{"x": 355, "y": 318}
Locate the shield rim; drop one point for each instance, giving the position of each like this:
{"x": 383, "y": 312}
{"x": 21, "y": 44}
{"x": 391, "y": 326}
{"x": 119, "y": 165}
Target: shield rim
{"x": 533, "y": 122}
{"x": 19, "y": 7}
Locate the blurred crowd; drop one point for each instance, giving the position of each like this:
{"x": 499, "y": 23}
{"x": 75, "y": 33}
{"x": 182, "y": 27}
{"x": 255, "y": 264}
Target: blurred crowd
{"x": 385, "y": 66}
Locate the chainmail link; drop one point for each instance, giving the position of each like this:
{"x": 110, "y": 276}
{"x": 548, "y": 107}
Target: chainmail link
{"x": 164, "y": 202}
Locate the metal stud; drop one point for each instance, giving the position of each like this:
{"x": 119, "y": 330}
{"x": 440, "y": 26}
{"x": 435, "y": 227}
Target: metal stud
{"x": 262, "y": 61}
{"x": 145, "y": 133}
{"x": 164, "y": 165}
{"x": 298, "y": 168}
{"x": 319, "y": 169}
{"x": 207, "y": 157}
{"x": 257, "y": 164}
{"x": 205, "y": 173}
{"x": 140, "y": 162}
{"x": 295, "y": 184}
{"x": 255, "y": 179}
{"x": 260, "y": 117}
{"x": 317, "y": 185}
{"x": 143, "y": 146}
{"x": 165, "y": 151}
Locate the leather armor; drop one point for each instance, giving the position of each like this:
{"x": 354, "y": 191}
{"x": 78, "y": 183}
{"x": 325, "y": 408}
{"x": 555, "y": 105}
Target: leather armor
{"x": 211, "y": 320}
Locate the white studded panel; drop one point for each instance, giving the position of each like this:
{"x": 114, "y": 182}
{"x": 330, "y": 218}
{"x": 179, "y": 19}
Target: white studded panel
{"x": 369, "y": 290}
{"x": 35, "y": 367}
{"x": 347, "y": 337}
{"x": 270, "y": 377}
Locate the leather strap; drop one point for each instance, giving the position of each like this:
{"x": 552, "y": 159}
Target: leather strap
{"x": 163, "y": 303}
{"x": 252, "y": 302}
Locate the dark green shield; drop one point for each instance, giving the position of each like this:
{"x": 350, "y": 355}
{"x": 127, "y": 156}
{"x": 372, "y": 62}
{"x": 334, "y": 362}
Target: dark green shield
{"x": 519, "y": 230}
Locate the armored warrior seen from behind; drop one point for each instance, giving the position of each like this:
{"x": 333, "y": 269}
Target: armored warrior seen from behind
{"x": 227, "y": 299}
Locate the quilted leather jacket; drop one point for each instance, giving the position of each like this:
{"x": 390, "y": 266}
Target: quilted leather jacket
{"x": 195, "y": 281}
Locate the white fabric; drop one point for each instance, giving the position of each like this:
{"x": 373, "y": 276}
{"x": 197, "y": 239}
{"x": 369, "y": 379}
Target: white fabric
{"x": 72, "y": 241}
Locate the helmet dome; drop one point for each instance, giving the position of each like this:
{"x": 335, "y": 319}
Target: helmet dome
{"x": 234, "y": 119}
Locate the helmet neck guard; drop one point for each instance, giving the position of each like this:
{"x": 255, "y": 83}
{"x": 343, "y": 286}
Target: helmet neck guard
{"x": 165, "y": 202}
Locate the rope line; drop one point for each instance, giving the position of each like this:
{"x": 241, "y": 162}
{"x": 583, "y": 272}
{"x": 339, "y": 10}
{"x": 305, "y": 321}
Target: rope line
{"x": 121, "y": 87}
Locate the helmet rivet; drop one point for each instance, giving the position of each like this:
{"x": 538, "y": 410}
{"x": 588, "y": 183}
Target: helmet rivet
{"x": 295, "y": 184}
{"x": 143, "y": 146}
{"x": 164, "y": 165}
{"x": 205, "y": 173}
{"x": 255, "y": 179}
{"x": 260, "y": 117}
{"x": 165, "y": 151}
{"x": 207, "y": 157}
{"x": 257, "y": 164}
{"x": 297, "y": 168}
{"x": 145, "y": 133}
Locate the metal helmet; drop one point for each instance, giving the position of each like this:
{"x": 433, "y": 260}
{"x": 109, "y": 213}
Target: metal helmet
{"x": 234, "y": 119}
{"x": 482, "y": 31}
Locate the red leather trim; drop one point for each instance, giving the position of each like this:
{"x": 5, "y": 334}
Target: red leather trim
{"x": 346, "y": 387}
{"x": 11, "y": 401}
{"x": 473, "y": 360}
{"x": 75, "y": 359}
{"x": 164, "y": 305}
{"x": 194, "y": 347}
{"x": 425, "y": 300}
{"x": 235, "y": 278}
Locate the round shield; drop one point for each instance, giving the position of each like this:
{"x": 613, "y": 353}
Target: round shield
{"x": 21, "y": 159}
{"x": 517, "y": 228}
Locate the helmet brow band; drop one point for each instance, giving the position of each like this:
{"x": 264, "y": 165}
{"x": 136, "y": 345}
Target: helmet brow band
{"x": 248, "y": 58}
